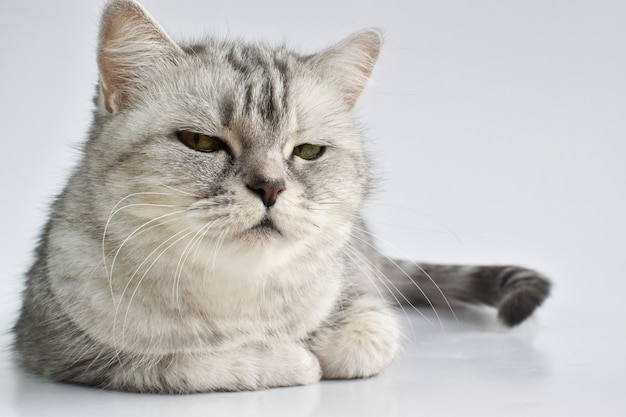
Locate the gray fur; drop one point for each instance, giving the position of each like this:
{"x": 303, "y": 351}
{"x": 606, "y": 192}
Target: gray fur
{"x": 165, "y": 269}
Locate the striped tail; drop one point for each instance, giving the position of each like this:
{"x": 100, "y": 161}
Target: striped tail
{"x": 516, "y": 292}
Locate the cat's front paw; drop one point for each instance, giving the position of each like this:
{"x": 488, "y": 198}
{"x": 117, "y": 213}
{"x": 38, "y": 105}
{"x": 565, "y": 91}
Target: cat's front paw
{"x": 289, "y": 365}
{"x": 362, "y": 344}
{"x": 247, "y": 368}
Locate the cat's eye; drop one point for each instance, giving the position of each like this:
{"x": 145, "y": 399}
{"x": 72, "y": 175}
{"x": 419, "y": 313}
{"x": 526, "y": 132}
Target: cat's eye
{"x": 309, "y": 151}
{"x": 200, "y": 142}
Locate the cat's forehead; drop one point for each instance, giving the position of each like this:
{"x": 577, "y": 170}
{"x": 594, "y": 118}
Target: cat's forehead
{"x": 254, "y": 91}
{"x": 251, "y": 95}
{"x": 244, "y": 58}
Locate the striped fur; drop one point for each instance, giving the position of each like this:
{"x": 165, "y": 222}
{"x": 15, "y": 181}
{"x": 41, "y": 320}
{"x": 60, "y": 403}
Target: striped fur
{"x": 239, "y": 266}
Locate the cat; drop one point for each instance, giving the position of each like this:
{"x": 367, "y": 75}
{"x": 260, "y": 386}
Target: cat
{"x": 210, "y": 238}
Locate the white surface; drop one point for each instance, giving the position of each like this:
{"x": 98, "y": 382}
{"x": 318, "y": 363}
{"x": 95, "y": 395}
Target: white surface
{"x": 499, "y": 130}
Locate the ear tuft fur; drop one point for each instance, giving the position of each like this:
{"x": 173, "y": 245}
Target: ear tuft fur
{"x": 130, "y": 41}
{"x": 350, "y": 63}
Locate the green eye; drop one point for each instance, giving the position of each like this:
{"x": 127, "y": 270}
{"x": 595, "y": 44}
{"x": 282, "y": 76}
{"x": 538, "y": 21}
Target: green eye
{"x": 200, "y": 142}
{"x": 308, "y": 151}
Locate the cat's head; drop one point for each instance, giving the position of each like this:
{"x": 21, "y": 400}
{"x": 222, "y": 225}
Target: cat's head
{"x": 244, "y": 146}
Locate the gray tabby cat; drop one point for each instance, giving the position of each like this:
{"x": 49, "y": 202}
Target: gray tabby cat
{"x": 210, "y": 238}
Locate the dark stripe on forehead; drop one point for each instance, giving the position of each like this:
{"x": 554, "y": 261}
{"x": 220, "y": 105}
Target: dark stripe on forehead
{"x": 264, "y": 76}
{"x": 249, "y": 100}
{"x": 267, "y": 103}
{"x": 245, "y": 59}
{"x": 195, "y": 49}
{"x": 227, "y": 110}
{"x": 284, "y": 70}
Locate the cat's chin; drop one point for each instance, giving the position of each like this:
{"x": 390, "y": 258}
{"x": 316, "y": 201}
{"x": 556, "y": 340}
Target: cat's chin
{"x": 255, "y": 252}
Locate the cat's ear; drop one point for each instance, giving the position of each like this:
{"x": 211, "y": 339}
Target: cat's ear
{"x": 350, "y": 63}
{"x": 130, "y": 43}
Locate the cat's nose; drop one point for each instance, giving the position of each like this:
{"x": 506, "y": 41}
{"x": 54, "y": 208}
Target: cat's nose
{"x": 267, "y": 190}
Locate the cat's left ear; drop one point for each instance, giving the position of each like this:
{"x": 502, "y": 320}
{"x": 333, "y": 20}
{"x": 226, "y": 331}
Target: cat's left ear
{"x": 350, "y": 63}
{"x": 131, "y": 43}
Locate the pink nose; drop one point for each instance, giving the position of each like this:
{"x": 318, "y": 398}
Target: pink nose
{"x": 268, "y": 191}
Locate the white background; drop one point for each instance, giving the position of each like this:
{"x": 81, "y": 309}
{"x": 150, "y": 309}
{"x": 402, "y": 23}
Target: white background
{"x": 499, "y": 134}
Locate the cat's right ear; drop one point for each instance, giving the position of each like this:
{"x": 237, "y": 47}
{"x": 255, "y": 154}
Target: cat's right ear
{"x": 349, "y": 64}
{"x": 130, "y": 43}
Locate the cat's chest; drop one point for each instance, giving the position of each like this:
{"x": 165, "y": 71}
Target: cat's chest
{"x": 271, "y": 285}
{"x": 231, "y": 315}
{"x": 194, "y": 310}
{"x": 174, "y": 302}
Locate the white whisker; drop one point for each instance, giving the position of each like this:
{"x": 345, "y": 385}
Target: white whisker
{"x": 193, "y": 242}
{"x": 376, "y": 271}
{"x": 218, "y": 246}
{"x": 448, "y": 229}
{"x": 138, "y": 231}
{"x": 177, "y": 190}
{"x": 185, "y": 233}
{"x": 411, "y": 278}
{"x": 112, "y": 214}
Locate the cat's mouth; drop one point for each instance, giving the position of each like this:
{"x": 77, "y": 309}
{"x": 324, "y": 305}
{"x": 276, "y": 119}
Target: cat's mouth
{"x": 266, "y": 226}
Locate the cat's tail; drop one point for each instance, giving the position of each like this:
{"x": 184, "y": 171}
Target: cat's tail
{"x": 516, "y": 292}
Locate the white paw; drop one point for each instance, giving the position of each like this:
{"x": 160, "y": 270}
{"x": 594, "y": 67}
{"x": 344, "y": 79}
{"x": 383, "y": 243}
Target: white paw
{"x": 362, "y": 345}
{"x": 290, "y": 365}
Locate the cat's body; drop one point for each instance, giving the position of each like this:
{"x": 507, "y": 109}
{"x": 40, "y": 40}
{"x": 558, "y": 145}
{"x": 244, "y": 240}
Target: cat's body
{"x": 211, "y": 239}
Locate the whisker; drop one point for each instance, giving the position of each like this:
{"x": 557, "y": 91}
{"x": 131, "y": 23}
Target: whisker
{"x": 112, "y": 214}
{"x": 405, "y": 274}
{"x": 376, "y": 272}
{"x": 162, "y": 184}
{"x": 185, "y": 233}
{"x": 421, "y": 213}
{"x": 193, "y": 242}
{"x": 409, "y": 276}
{"x": 218, "y": 246}
{"x": 137, "y": 232}
{"x": 380, "y": 274}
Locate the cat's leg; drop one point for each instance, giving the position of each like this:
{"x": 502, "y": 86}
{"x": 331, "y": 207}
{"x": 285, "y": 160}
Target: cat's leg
{"x": 59, "y": 350}
{"x": 238, "y": 369}
{"x": 360, "y": 341}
